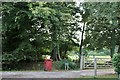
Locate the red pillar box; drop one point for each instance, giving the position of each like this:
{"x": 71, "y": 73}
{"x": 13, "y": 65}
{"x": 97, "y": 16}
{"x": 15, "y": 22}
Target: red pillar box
{"x": 48, "y": 64}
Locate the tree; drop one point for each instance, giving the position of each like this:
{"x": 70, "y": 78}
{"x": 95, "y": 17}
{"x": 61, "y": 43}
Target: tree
{"x": 15, "y": 35}
{"x": 102, "y": 28}
{"x": 58, "y": 17}
{"x": 116, "y": 63}
{"x": 33, "y": 29}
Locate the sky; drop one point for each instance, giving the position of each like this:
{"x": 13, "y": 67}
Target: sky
{"x": 79, "y": 33}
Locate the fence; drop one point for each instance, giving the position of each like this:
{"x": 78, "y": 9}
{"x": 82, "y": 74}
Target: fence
{"x": 86, "y": 63}
{"x": 101, "y": 63}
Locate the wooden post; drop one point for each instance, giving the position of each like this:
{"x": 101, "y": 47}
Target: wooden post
{"x": 95, "y": 66}
{"x": 118, "y": 76}
{"x": 81, "y": 62}
{"x": 66, "y": 66}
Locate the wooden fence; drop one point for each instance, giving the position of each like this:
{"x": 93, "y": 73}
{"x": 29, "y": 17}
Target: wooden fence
{"x": 101, "y": 63}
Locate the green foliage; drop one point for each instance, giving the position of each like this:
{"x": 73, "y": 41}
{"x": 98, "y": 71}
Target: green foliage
{"x": 101, "y": 52}
{"x": 98, "y": 24}
{"x": 72, "y": 55}
{"x": 102, "y": 25}
{"x": 116, "y": 62}
{"x": 31, "y": 30}
{"x": 16, "y": 33}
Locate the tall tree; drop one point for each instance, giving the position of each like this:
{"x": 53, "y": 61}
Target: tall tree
{"x": 102, "y": 28}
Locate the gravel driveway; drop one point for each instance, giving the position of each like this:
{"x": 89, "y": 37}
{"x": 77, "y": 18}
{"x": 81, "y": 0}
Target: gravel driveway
{"x": 56, "y": 74}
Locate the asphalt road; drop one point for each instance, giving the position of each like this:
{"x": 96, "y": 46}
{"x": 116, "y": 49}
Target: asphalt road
{"x": 56, "y": 74}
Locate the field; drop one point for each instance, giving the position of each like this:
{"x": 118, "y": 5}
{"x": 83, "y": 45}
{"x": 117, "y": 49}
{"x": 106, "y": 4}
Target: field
{"x": 100, "y": 59}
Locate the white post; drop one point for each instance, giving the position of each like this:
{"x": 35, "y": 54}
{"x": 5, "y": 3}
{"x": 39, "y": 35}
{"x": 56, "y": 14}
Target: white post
{"x": 118, "y": 76}
{"x": 66, "y": 66}
{"x": 95, "y": 66}
{"x": 81, "y": 62}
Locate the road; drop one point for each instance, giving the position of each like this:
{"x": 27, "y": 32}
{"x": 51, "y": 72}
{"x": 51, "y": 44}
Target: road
{"x": 56, "y": 74}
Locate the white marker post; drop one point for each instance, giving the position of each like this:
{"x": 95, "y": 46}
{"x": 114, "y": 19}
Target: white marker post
{"x": 81, "y": 62}
{"x": 95, "y": 66}
{"x": 118, "y": 76}
{"x": 66, "y": 66}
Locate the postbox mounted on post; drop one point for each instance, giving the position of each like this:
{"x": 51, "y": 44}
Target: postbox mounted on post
{"x": 48, "y": 64}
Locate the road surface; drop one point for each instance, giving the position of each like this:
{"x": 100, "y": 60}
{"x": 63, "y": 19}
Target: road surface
{"x": 55, "y": 74}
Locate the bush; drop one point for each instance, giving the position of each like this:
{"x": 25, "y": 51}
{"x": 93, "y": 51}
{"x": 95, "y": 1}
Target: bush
{"x": 116, "y": 62}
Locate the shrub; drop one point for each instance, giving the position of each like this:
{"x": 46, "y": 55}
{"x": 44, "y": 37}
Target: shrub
{"x": 116, "y": 62}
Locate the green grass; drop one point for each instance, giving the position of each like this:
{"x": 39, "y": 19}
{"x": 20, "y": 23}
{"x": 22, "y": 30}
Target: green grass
{"x": 100, "y": 59}
{"x": 101, "y": 77}
{"x": 95, "y": 79}
{"x": 91, "y": 57}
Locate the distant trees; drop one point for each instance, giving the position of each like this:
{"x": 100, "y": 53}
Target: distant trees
{"x": 33, "y": 29}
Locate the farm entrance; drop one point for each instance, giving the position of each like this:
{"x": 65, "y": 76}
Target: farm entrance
{"x": 101, "y": 62}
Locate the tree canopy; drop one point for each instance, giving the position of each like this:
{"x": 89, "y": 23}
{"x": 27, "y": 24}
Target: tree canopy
{"x": 33, "y": 29}
{"x": 103, "y": 25}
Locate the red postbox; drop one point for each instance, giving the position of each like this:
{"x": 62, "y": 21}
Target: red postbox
{"x": 48, "y": 64}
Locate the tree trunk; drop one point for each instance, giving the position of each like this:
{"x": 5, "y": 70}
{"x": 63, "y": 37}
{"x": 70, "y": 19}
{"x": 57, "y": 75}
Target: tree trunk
{"x": 61, "y": 53}
{"x": 112, "y": 43}
{"x": 80, "y": 49}
{"x": 58, "y": 52}
{"x": 36, "y": 57}
{"x": 59, "y": 57}
{"x": 53, "y": 54}
{"x": 119, "y": 50}
{"x": 55, "y": 39}
{"x": 111, "y": 52}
